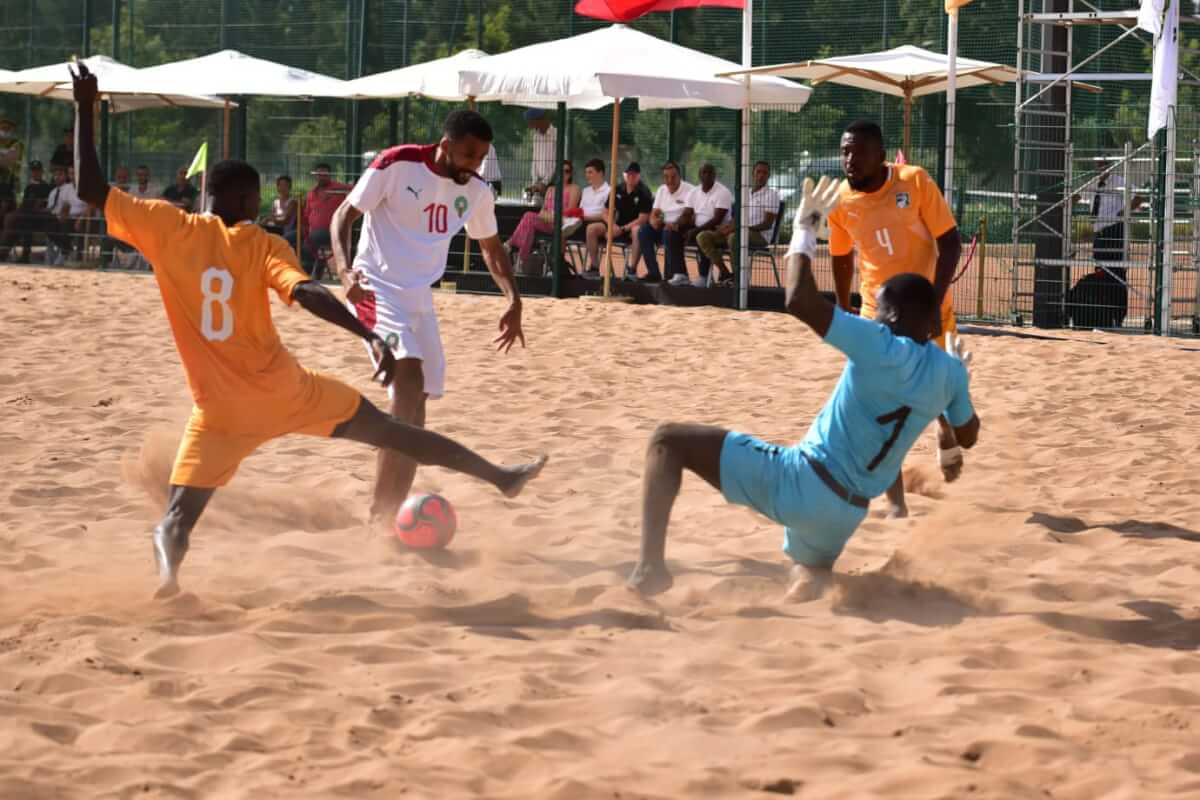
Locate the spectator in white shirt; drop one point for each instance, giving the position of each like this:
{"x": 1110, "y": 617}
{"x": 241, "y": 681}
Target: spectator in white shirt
{"x": 545, "y": 144}
{"x": 764, "y": 211}
{"x": 142, "y": 187}
{"x": 709, "y": 204}
{"x": 121, "y": 178}
{"x": 669, "y": 219}
{"x": 490, "y": 171}
{"x": 72, "y": 215}
{"x": 594, "y": 203}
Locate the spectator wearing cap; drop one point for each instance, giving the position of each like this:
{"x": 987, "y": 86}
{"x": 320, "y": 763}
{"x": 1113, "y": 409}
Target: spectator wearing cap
{"x": 181, "y": 194}
{"x": 12, "y": 155}
{"x": 545, "y": 147}
{"x": 22, "y": 223}
{"x": 764, "y": 208}
{"x": 64, "y": 154}
{"x": 322, "y": 200}
{"x": 632, "y": 210}
{"x": 669, "y": 220}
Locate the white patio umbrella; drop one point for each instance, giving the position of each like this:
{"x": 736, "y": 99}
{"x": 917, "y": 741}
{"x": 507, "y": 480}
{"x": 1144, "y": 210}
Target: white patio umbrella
{"x": 54, "y": 81}
{"x": 229, "y": 73}
{"x": 595, "y": 69}
{"x": 905, "y": 72}
{"x": 436, "y": 80}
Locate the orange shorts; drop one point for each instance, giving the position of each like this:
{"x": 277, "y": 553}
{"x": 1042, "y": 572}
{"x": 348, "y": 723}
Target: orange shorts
{"x": 949, "y": 322}
{"x": 212, "y": 449}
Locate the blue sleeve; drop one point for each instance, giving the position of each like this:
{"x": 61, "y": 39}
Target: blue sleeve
{"x": 865, "y": 342}
{"x": 960, "y": 410}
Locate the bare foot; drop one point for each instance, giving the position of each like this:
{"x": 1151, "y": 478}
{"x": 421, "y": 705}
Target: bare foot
{"x": 808, "y": 583}
{"x": 519, "y": 476}
{"x": 649, "y": 579}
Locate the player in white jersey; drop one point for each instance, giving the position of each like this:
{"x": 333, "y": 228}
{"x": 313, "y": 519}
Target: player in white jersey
{"x": 416, "y": 198}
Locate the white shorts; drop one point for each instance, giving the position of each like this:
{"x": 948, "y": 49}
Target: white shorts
{"x": 412, "y": 334}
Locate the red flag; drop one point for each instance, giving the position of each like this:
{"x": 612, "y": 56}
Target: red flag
{"x": 626, "y": 10}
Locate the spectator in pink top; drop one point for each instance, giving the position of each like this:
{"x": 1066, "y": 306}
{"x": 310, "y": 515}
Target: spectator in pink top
{"x": 319, "y": 205}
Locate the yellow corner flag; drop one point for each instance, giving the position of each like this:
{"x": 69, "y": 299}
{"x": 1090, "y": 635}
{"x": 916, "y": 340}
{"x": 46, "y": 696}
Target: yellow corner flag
{"x": 955, "y": 5}
{"x": 200, "y": 162}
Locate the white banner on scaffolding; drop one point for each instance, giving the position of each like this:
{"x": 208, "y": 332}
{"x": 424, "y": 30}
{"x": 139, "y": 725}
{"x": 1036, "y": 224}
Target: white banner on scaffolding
{"x": 1165, "y": 87}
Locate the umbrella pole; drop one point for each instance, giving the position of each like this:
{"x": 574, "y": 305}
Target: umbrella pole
{"x": 466, "y": 238}
{"x": 612, "y": 197}
{"x": 908, "y": 124}
{"x": 225, "y": 138}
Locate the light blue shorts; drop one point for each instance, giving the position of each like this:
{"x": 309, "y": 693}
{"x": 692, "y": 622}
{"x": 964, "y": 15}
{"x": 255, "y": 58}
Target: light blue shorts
{"x": 779, "y": 483}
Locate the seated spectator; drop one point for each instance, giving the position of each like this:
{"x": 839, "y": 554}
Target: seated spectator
{"x": 764, "y": 208}
{"x": 64, "y": 154}
{"x": 323, "y": 199}
{"x": 632, "y": 211}
{"x": 12, "y": 154}
{"x": 532, "y": 224}
{"x": 181, "y": 194}
{"x": 709, "y": 203}
{"x": 669, "y": 220}
{"x": 73, "y": 217}
{"x": 30, "y": 217}
{"x": 121, "y": 179}
{"x": 142, "y": 187}
{"x": 281, "y": 221}
{"x": 594, "y": 205}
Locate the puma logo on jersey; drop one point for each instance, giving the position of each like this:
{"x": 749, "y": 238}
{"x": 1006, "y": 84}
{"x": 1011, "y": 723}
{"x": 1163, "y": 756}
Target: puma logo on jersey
{"x": 415, "y": 192}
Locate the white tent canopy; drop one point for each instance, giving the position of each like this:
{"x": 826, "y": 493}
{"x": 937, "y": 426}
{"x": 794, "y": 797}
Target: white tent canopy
{"x": 54, "y": 81}
{"x": 228, "y": 73}
{"x": 589, "y": 70}
{"x": 905, "y": 72}
{"x": 902, "y": 71}
{"x": 437, "y": 80}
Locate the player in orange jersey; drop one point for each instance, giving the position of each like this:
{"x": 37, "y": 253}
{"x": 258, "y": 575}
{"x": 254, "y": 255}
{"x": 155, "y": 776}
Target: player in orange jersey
{"x": 214, "y": 271}
{"x": 898, "y": 221}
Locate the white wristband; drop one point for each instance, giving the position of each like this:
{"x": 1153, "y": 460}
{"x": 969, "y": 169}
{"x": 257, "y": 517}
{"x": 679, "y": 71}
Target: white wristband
{"x": 804, "y": 242}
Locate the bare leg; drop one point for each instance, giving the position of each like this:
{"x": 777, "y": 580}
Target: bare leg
{"x": 595, "y": 232}
{"x": 395, "y": 472}
{"x": 897, "y": 506}
{"x": 371, "y": 426}
{"x": 171, "y": 537}
{"x": 673, "y": 448}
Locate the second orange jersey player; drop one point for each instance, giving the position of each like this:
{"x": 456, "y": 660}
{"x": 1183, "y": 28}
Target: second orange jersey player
{"x": 897, "y": 220}
{"x": 214, "y": 272}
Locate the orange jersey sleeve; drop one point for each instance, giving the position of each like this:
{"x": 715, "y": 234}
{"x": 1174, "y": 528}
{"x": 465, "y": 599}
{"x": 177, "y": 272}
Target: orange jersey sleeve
{"x": 841, "y": 243}
{"x": 148, "y": 225}
{"x": 283, "y": 270}
{"x": 934, "y": 210}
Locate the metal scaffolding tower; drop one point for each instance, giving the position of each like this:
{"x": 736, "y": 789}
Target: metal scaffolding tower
{"x": 1050, "y": 175}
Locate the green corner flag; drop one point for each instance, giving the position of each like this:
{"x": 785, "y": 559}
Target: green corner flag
{"x": 200, "y": 162}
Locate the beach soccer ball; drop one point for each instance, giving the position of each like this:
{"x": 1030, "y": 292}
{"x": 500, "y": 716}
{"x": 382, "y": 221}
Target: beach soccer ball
{"x": 426, "y": 522}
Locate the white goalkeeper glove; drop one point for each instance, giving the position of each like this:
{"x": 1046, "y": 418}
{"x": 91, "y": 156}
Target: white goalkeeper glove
{"x": 954, "y": 346}
{"x": 811, "y": 217}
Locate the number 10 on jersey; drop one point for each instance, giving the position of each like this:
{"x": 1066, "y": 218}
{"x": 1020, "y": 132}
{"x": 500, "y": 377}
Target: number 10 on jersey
{"x": 438, "y": 216}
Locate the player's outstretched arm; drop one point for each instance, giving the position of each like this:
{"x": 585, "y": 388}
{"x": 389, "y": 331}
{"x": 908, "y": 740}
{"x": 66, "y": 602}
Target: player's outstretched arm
{"x": 90, "y": 183}
{"x": 320, "y": 302}
{"x": 804, "y": 301}
{"x": 339, "y": 233}
{"x": 499, "y": 264}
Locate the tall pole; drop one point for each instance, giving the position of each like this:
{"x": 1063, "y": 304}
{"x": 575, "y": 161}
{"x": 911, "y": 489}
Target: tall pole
{"x": 404, "y": 63}
{"x": 671, "y": 112}
{"x": 744, "y": 185}
{"x": 560, "y": 155}
{"x": 611, "y": 219}
{"x": 951, "y": 103}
